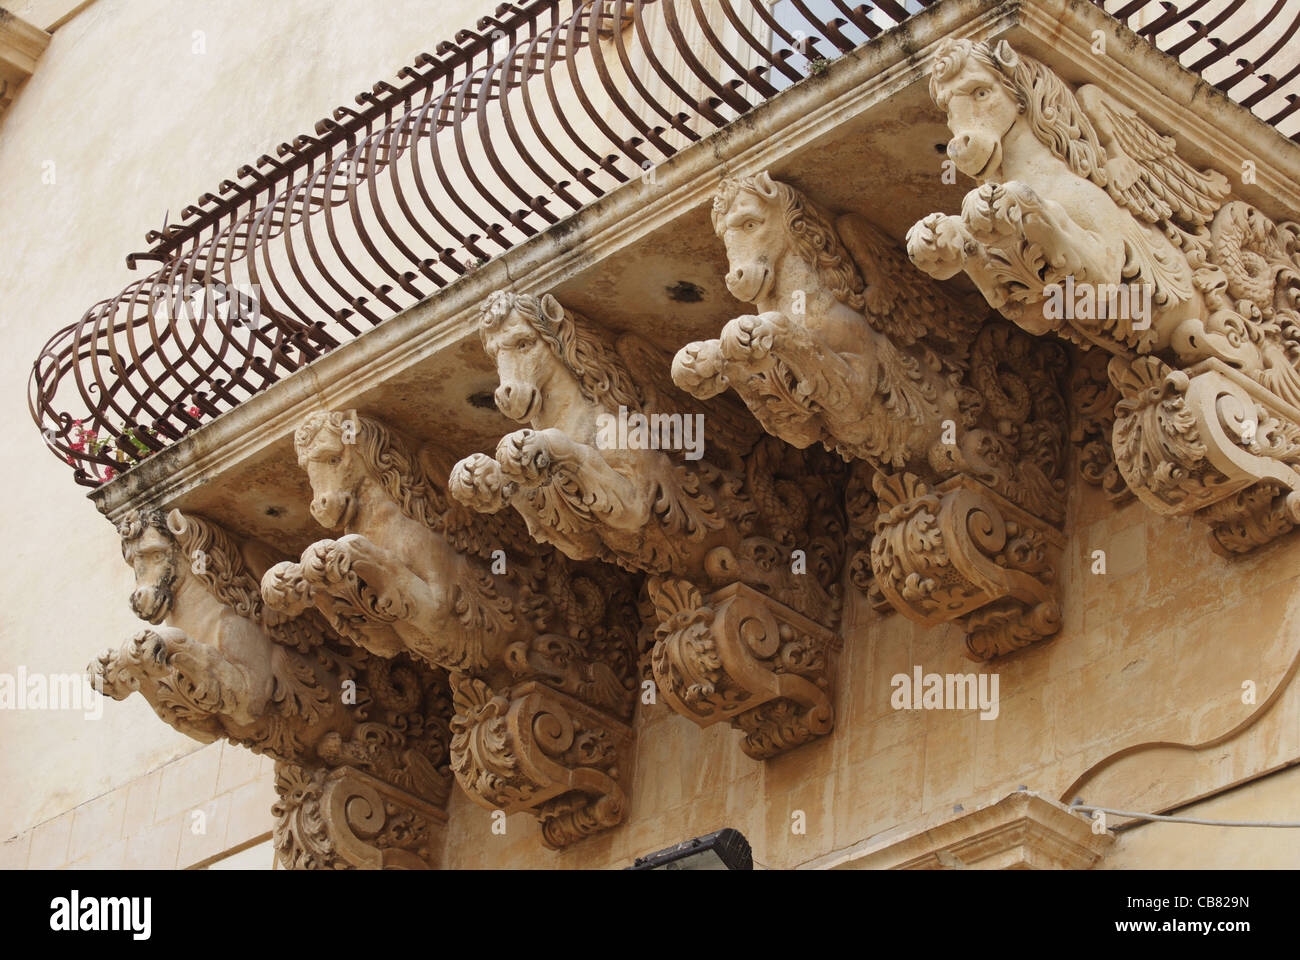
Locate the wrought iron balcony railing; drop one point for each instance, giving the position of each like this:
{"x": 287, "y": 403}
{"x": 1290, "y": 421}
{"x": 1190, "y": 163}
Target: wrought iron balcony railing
{"x": 492, "y": 138}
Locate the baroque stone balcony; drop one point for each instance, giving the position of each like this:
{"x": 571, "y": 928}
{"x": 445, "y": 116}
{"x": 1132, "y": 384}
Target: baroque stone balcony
{"x": 404, "y": 331}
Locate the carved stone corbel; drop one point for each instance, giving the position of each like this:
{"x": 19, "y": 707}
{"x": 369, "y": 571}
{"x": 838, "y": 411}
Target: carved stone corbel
{"x": 345, "y": 819}
{"x": 736, "y": 514}
{"x": 737, "y": 655}
{"x": 1209, "y": 442}
{"x": 532, "y": 748}
{"x": 1087, "y": 223}
{"x": 218, "y": 663}
{"x": 961, "y": 552}
{"x": 527, "y": 634}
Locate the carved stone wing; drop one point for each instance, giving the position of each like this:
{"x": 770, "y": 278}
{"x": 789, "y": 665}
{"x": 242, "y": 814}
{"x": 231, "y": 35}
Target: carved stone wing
{"x": 1144, "y": 172}
{"x": 729, "y": 424}
{"x": 477, "y": 534}
{"x": 901, "y": 302}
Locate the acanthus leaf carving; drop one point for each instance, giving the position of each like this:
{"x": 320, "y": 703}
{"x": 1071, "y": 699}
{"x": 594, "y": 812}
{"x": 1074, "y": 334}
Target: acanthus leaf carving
{"x": 1212, "y": 443}
{"x": 738, "y": 656}
{"x": 961, "y": 552}
{"x": 532, "y": 748}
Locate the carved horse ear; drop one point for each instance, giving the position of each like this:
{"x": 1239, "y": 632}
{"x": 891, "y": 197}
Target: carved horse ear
{"x": 551, "y": 308}
{"x": 177, "y": 523}
{"x": 349, "y": 426}
{"x": 1005, "y": 55}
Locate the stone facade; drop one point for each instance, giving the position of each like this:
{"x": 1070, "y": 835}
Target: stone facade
{"x": 759, "y": 494}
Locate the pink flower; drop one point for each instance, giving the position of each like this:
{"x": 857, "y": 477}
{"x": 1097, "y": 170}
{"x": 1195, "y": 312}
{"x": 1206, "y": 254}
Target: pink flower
{"x": 109, "y": 473}
{"x": 193, "y": 411}
{"x": 71, "y": 462}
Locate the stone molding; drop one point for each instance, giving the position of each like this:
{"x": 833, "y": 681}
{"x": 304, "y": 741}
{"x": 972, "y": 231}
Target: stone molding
{"x": 1022, "y": 831}
{"x": 21, "y": 45}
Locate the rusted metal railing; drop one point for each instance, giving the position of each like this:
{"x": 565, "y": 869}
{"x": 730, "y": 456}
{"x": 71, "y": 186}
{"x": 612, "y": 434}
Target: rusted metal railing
{"x": 542, "y": 108}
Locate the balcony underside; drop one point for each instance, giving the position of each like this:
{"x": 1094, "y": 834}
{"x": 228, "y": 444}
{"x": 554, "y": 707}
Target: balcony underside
{"x": 863, "y": 136}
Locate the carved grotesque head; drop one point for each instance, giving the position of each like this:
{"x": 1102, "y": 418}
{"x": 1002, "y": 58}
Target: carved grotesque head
{"x": 976, "y": 84}
{"x": 748, "y": 214}
{"x": 326, "y": 445}
{"x": 151, "y": 550}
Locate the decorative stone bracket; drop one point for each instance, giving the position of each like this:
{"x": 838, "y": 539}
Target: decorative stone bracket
{"x": 535, "y": 749}
{"x": 360, "y": 741}
{"x": 738, "y": 655}
{"x": 1087, "y": 223}
{"x": 961, "y": 552}
{"x": 1209, "y": 442}
{"x": 346, "y": 819}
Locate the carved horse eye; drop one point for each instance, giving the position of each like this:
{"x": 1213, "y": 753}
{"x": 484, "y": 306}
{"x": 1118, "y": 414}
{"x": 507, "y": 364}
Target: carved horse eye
{"x": 335, "y": 461}
{"x": 982, "y": 93}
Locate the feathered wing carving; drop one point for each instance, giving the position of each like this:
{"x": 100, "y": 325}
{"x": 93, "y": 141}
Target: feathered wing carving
{"x": 1144, "y": 172}
{"x": 900, "y": 301}
{"x": 730, "y": 425}
{"x": 469, "y": 531}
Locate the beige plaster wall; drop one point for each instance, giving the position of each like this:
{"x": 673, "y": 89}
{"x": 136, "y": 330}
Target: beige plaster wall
{"x": 209, "y": 808}
{"x": 1178, "y": 846}
{"x": 134, "y": 123}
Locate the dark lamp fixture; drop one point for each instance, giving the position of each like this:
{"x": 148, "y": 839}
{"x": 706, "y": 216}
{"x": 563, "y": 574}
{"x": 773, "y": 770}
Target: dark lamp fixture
{"x": 725, "y": 849}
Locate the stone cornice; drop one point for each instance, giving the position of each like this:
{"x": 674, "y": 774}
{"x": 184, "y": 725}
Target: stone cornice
{"x": 1023, "y": 830}
{"x": 21, "y": 45}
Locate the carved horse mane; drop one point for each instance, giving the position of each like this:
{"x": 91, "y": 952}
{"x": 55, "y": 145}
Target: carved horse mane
{"x": 811, "y": 232}
{"x": 602, "y": 375}
{"x": 225, "y": 574}
{"x": 388, "y": 458}
{"x": 1050, "y": 107}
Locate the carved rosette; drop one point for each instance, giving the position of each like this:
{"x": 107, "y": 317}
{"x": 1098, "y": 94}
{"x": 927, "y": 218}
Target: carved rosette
{"x": 345, "y": 819}
{"x": 738, "y": 655}
{"x": 532, "y": 748}
{"x": 961, "y": 552}
{"x": 1209, "y": 442}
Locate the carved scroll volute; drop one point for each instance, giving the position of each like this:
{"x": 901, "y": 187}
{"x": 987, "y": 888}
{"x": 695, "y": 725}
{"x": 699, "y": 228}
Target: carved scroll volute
{"x": 540, "y": 751}
{"x": 1210, "y": 442}
{"x": 346, "y": 819}
{"x": 736, "y": 655}
{"x": 962, "y": 552}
